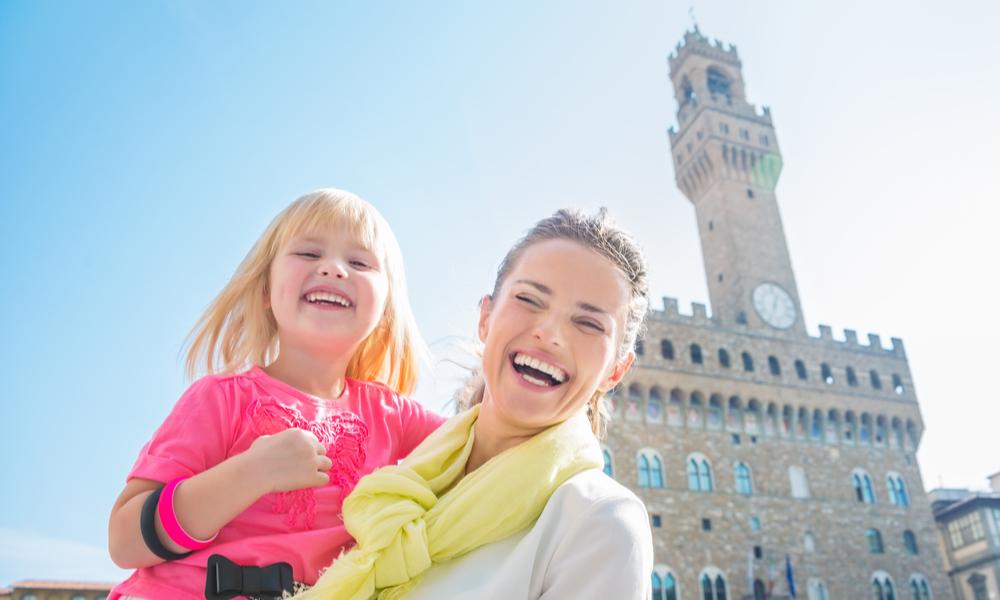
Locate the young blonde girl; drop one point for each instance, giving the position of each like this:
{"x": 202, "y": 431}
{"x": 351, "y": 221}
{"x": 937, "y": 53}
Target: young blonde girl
{"x": 254, "y": 461}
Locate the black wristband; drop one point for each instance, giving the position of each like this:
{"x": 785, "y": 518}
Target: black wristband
{"x": 147, "y": 523}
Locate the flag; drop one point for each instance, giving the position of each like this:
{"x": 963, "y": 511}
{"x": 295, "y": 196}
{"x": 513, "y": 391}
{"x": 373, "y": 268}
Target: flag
{"x": 750, "y": 572}
{"x": 790, "y": 576}
{"x": 770, "y": 576}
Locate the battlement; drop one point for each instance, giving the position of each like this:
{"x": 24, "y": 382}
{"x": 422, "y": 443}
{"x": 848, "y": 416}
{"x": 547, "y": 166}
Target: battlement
{"x": 699, "y": 316}
{"x": 730, "y": 105}
{"x": 695, "y": 43}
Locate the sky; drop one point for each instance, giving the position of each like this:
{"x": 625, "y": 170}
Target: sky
{"x": 145, "y": 146}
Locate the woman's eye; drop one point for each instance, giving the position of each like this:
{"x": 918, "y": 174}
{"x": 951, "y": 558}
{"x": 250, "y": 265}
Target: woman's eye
{"x": 592, "y": 325}
{"x": 527, "y": 299}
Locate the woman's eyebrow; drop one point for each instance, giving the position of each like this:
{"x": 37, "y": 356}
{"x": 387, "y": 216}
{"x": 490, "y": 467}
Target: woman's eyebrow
{"x": 541, "y": 288}
{"x": 592, "y": 308}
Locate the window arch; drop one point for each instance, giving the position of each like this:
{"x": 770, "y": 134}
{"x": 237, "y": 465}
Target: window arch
{"x": 880, "y": 430}
{"x": 798, "y": 482}
{"x": 832, "y": 422}
{"x": 787, "y": 416}
{"x": 800, "y": 370}
{"x": 774, "y": 365}
{"x": 865, "y": 431}
{"x": 609, "y": 468}
{"x": 747, "y": 362}
{"x": 667, "y": 349}
{"x": 899, "y": 495}
{"x": 826, "y": 374}
{"x": 744, "y": 485}
{"x": 849, "y": 423}
{"x": 910, "y": 543}
{"x": 864, "y": 491}
{"x": 883, "y": 587}
{"x": 718, "y": 83}
{"x": 634, "y": 391}
{"x": 875, "y": 542}
{"x": 897, "y": 385}
{"x": 809, "y": 541}
{"x": 664, "y": 583}
{"x": 695, "y": 406}
{"x": 816, "y": 589}
{"x": 713, "y": 584}
{"x": 734, "y": 415}
{"x": 724, "y": 358}
{"x": 816, "y": 427}
{"x": 650, "y": 468}
{"x": 696, "y": 357}
{"x": 876, "y": 382}
{"x": 852, "y": 377}
{"x": 699, "y": 473}
{"x": 713, "y": 416}
{"x": 919, "y": 587}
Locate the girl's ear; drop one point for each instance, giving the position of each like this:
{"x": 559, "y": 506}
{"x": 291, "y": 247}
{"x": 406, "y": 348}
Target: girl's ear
{"x": 485, "y": 306}
{"x": 266, "y": 300}
{"x": 617, "y": 373}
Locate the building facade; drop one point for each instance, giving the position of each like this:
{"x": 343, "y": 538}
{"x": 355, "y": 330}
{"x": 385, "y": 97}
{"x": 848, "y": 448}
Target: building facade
{"x": 57, "y": 590}
{"x": 969, "y": 526}
{"x": 747, "y": 439}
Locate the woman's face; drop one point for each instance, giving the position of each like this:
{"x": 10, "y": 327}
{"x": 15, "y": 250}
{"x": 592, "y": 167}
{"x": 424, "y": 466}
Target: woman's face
{"x": 551, "y": 335}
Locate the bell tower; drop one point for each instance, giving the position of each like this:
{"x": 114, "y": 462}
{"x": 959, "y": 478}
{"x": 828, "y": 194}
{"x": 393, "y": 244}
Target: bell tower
{"x": 727, "y": 162}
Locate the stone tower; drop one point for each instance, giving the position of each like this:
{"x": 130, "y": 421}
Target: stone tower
{"x": 727, "y": 164}
{"x": 746, "y": 438}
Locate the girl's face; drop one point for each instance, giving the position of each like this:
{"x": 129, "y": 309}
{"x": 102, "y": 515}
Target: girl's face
{"x": 551, "y": 335}
{"x": 327, "y": 292}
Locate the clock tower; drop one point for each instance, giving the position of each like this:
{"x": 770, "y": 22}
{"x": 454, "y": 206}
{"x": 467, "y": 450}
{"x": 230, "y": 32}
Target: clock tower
{"x": 727, "y": 162}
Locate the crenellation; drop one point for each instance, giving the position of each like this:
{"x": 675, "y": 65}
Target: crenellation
{"x": 875, "y": 341}
{"x": 699, "y": 313}
{"x": 850, "y": 337}
{"x": 897, "y": 348}
{"x": 670, "y": 307}
{"x": 825, "y": 333}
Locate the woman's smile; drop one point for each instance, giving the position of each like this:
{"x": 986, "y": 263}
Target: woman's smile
{"x": 551, "y": 335}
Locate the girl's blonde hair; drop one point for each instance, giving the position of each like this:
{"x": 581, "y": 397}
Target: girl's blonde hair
{"x": 237, "y": 332}
{"x": 602, "y": 235}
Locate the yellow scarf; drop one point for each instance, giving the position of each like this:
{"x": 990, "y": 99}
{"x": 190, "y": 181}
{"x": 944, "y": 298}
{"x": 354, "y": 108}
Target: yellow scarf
{"x": 404, "y": 521}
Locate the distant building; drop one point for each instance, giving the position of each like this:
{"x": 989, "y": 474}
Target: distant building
{"x": 969, "y": 526}
{"x": 56, "y": 590}
{"x": 746, "y": 438}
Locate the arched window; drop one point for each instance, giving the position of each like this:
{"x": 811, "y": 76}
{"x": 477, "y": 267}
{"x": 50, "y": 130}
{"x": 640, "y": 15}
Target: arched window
{"x": 724, "y": 358}
{"x": 852, "y": 377}
{"x": 898, "y": 495}
{"x": 634, "y": 391}
{"x": 743, "y": 484}
{"x": 826, "y": 374}
{"x": 875, "y": 541}
{"x": 747, "y": 362}
{"x": 717, "y": 82}
{"x": 880, "y": 430}
{"x": 759, "y": 590}
{"x": 607, "y": 463}
{"x": 816, "y": 428}
{"x": 664, "y": 584}
{"x": 910, "y": 542}
{"x": 800, "y": 370}
{"x": 786, "y": 421}
{"x": 897, "y": 385}
{"x": 922, "y": 591}
{"x": 696, "y": 354}
{"x": 864, "y": 433}
{"x": 816, "y": 589}
{"x": 699, "y": 473}
{"x": 876, "y": 382}
{"x": 772, "y": 363}
{"x": 882, "y": 586}
{"x": 798, "y": 482}
{"x": 849, "y": 422}
{"x": 667, "y": 349}
{"x": 862, "y": 483}
{"x": 638, "y": 348}
{"x": 713, "y": 584}
{"x": 809, "y": 542}
{"x": 650, "y": 469}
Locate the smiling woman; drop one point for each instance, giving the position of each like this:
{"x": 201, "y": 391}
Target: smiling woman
{"x": 507, "y": 500}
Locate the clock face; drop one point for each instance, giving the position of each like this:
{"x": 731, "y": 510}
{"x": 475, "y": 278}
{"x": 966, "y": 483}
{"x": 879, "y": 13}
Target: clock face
{"x": 774, "y": 305}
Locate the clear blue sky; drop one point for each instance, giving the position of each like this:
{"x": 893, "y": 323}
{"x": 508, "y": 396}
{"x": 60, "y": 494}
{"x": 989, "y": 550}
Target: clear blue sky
{"x": 145, "y": 145}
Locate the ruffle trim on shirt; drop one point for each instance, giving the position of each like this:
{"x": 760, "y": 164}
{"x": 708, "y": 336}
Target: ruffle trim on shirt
{"x": 344, "y": 436}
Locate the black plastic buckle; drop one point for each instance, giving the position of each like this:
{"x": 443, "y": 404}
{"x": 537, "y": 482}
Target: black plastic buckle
{"x": 227, "y": 580}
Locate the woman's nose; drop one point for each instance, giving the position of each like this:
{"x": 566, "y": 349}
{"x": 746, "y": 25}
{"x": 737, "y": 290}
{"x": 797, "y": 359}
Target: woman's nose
{"x": 549, "y": 330}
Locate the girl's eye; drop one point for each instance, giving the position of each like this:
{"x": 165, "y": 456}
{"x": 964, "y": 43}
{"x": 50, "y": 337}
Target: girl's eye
{"x": 308, "y": 254}
{"x": 360, "y": 264}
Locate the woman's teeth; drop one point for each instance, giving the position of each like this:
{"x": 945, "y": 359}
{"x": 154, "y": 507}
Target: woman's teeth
{"x": 557, "y": 374}
{"x": 327, "y": 298}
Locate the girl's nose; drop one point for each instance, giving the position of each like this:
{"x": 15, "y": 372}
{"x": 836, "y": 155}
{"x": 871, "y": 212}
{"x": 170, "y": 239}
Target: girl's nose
{"x": 333, "y": 269}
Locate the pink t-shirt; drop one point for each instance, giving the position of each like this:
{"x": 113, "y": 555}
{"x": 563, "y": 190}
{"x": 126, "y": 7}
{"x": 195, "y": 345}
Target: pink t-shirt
{"x": 218, "y": 417}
